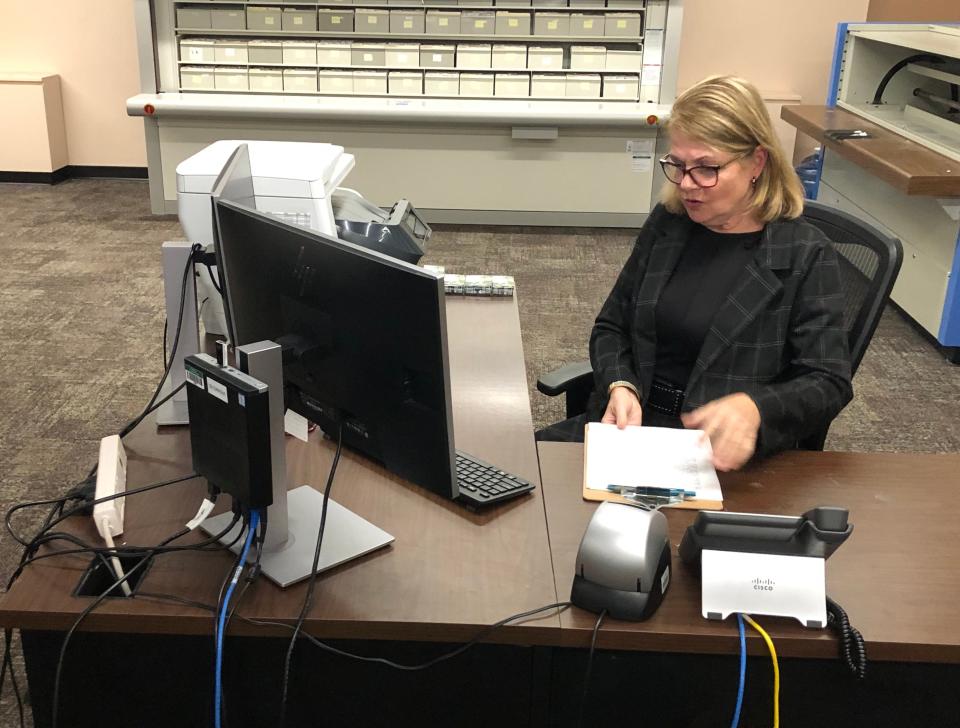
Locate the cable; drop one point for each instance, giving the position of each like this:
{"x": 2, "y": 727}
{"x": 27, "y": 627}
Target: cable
{"x": 213, "y": 278}
{"x": 586, "y": 677}
{"x": 241, "y": 562}
{"x": 853, "y": 651}
{"x": 881, "y": 87}
{"x": 743, "y": 672}
{"x": 8, "y": 664}
{"x": 114, "y": 559}
{"x": 776, "y": 669}
{"x": 308, "y": 599}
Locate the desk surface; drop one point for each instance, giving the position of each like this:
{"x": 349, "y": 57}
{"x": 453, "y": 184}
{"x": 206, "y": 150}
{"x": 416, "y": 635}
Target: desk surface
{"x": 449, "y": 571}
{"x": 896, "y": 576}
{"x": 910, "y": 167}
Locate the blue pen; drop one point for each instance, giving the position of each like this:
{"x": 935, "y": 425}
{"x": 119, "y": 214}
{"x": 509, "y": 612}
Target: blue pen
{"x": 649, "y": 491}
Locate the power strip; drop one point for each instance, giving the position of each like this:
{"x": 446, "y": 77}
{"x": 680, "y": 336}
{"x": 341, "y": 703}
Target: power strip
{"x": 111, "y": 479}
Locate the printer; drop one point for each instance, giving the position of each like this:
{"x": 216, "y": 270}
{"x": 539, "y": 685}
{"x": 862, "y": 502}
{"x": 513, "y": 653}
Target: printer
{"x": 299, "y": 183}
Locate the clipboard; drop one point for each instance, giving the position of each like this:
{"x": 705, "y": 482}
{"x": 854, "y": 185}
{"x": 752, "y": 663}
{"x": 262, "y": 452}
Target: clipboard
{"x": 592, "y": 494}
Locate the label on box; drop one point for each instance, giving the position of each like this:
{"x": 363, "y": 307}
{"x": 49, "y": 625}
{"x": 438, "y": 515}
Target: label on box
{"x": 621, "y": 24}
{"x": 297, "y": 20}
{"x": 443, "y": 22}
{"x": 553, "y": 24}
{"x": 479, "y": 24}
{"x": 230, "y": 52}
{"x": 217, "y": 390}
{"x": 513, "y": 22}
{"x": 437, "y": 57}
{"x": 408, "y": 24}
{"x": 268, "y": 20}
{"x": 335, "y": 20}
{"x": 371, "y": 20}
{"x": 588, "y": 24}
{"x": 368, "y": 57}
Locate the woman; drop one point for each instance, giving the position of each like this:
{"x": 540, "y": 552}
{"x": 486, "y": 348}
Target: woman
{"x": 727, "y": 317}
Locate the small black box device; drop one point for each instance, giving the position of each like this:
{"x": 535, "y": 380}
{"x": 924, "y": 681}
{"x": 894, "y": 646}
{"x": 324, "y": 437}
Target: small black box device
{"x": 230, "y": 430}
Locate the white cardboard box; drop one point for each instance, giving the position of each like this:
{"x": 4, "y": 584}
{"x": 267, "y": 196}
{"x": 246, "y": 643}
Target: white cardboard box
{"x": 299, "y": 53}
{"x": 588, "y": 58}
{"x": 438, "y": 83}
{"x": 334, "y": 53}
{"x": 621, "y": 87}
{"x": 299, "y": 80}
{"x": 552, "y": 85}
{"x": 545, "y": 57}
{"x": 511, "y": 84}
{"x": 474, "y": 56}
{"x": 476, "y": 84}
{"x": 230, "y": 79}
{"x": 370, "y": 82}
{"x": 583, "y": 85}
{"x": 405, "y": 83}
{"x": 266, "y": 80}
{"x": 403, "y": 55}
{"x": 509, "y": 56}
{"x": 335, "y": 82}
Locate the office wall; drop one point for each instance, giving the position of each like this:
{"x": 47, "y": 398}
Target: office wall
{"x": 92, "y": 47}
{"x": 783, "y": 47}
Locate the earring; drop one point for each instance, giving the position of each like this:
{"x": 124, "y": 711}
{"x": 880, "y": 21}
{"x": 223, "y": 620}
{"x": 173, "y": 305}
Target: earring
{"x": 753, "y": 180}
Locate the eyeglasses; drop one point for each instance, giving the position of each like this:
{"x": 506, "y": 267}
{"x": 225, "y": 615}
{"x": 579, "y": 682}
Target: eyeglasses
{"x": 703, "y": 175}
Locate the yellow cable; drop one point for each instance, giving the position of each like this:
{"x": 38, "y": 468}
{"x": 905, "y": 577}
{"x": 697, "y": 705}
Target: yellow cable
{"x": 776, "y": 670}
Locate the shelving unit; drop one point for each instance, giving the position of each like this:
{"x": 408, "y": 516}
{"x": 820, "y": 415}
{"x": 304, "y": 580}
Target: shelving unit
{"x": 603, "y": 83}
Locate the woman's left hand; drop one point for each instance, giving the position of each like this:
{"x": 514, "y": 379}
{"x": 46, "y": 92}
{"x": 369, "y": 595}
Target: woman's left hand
{"x": 732, "y": 424}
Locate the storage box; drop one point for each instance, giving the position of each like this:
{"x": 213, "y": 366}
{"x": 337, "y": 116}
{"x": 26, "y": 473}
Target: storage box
{"x": 583, "y": 86}
{"x": 228, "y": 19}
{"x": 548, "y": 57}
{"x": 338, "y": 2}
{"x": 266, "y": 80}
{"x": 405, "y": 83}
{"x": 633, "y": 4}
{"x": 474, "y": 2}
{"x": 551, "y": 3}
{"x": 403, "y": 55}
{"x": 368, "y": 54}
{"x": 443, "y": 22}
{"x": 548, "y": 86}
{"x": 298, "y": 21}
{"x": 583, "y": 24}
{"x": 452, "y": 3}
{"x": 436, "y": 83}
{"x": 621, "y": 87}
{"x": 618, "y": 60}
{"x": 193, "y": 18}
{"x": 335, "y": 20}
{"x": 265, "y": 51}
{"x": 511, "y": 84}
{"x": 264, "y": 18}
{"x": 551, "y": 24}
{"x": 371, "y": 20}
{"x": 589, "y": 3}
{"x": 478, "y": 22}
{"x": 407, "y": 21}
{"x": 196, "y": 50}
{"x": 230, "y": 52}
{"x": 519, "y": 3}
{"x": 622, "y": 25}
{"x": 196, "y": 78}
{"x": 335, "y": 82}
{"x": 474, "y": 56}
{"x": 299, "y": 80}
{"x": 370, "y": 82}
{"x": 476, "y": 84}
{"x": 299, "y": 53}
{"x": 513, "y": 23}
{"x": 438, "y": 56}
{"x": 230, "y": 79}
{"x": 509, "y": 56}
{"x": 334, "y": 53}
{"x": 588, "y": 58}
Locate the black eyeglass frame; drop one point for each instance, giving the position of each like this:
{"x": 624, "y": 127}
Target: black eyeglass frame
{"x": 684, "y": 170}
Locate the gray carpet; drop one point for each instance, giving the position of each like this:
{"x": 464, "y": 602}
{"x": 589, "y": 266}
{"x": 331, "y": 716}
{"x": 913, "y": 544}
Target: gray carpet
{"x": 81, "y": 323}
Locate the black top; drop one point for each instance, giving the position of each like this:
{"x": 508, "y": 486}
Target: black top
{"x": 707, "y": 271}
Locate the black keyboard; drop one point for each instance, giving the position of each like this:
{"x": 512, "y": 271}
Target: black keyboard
{"x": 482, "y": 483}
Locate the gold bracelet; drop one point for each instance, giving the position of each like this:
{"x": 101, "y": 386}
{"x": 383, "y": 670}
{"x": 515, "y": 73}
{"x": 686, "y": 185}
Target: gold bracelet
{"x": 622, "y": 383}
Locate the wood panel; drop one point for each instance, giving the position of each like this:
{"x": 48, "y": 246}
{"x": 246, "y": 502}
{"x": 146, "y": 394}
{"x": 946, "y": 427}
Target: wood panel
{"x": 898, "y": 161}
{"x": 907, "y": 11}
{"x": 896, "y": 575}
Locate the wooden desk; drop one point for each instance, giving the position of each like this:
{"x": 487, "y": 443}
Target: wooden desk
{"x": 896, "y": 575}
{"x": 449, "y": 573}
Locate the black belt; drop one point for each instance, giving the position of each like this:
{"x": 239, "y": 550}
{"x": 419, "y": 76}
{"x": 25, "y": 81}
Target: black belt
{"x": 665, "y": 398}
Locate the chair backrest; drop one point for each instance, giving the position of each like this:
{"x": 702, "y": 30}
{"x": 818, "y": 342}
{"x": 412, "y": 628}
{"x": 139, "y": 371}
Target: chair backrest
{"x": 869, "y": 263}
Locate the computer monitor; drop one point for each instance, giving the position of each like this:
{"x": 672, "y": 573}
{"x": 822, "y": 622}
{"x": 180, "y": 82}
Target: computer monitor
{"x": 363, "y": 338}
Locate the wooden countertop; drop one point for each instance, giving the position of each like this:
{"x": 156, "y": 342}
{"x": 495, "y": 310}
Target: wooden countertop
{"x": 906, "y": 165}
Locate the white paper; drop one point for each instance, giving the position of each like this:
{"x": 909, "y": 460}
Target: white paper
{"x": 650, "y": 456}
{"x": 296, "y": 425}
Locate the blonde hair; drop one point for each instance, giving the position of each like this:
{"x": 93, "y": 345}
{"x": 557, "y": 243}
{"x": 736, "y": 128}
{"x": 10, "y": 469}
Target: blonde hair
{"x": 728, "y": 114}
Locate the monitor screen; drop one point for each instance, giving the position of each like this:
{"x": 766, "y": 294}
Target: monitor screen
{"x": 363, "y": 338}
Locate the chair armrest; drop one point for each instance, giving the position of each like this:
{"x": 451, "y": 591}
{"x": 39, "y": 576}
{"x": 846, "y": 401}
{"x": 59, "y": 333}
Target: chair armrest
{"x": 567, "y": 377}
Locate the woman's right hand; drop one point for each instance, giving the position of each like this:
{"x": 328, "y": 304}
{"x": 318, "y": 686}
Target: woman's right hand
{"x": 623, "y": 408}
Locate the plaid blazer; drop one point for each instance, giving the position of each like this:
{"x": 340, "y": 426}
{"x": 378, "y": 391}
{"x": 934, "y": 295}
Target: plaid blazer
{"x": 779, "y": 336}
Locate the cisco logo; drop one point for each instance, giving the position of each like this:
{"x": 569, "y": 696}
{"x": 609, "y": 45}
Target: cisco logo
{"x": 763, "y": 584}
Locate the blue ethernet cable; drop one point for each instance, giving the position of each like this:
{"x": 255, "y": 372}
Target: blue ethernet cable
{"x": 743, "y": 672}
{"x": 241, "y": 562}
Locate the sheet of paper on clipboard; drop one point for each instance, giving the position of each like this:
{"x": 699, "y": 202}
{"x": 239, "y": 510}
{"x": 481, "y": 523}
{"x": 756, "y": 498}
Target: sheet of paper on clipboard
{"x": 649, "y": 456}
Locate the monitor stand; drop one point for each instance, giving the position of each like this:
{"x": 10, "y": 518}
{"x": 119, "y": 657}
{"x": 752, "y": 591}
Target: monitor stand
{"x": 293, "y": 521}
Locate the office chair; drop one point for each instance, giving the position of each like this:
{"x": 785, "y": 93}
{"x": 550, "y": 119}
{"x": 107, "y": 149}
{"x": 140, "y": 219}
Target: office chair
{"x": 869, "y": 263}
